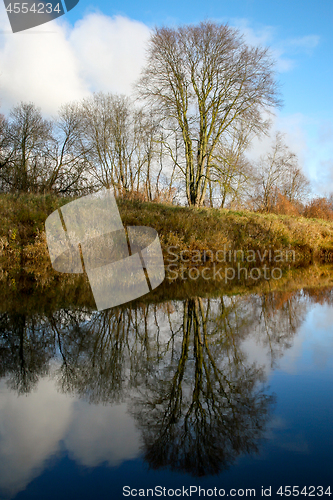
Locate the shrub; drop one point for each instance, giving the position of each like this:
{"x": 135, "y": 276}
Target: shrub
{"x": 283, "y": 206}
{"x": 319, "y": 208}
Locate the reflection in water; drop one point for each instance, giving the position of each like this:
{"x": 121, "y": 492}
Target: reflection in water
{"x": 201, "y": 407}
{"x": 26, "y": 348}
{"x": 183, "y": 367}
{"x": 280, "y": 316}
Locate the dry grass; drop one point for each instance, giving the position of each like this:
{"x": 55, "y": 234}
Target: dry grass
{"x": 207, "y": 229}
{"x": 23, "y": 243}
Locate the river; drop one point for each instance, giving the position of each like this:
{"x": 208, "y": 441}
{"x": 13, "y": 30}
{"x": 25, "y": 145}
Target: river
{"x": 222, "y": 392}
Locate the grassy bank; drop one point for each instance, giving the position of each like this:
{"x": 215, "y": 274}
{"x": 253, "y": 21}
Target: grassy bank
{"x": 189, "y": 236}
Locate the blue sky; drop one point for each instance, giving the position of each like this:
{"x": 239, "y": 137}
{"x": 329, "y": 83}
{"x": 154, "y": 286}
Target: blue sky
{"x": 302, "y": 29}
{"x": 100, "y": 46}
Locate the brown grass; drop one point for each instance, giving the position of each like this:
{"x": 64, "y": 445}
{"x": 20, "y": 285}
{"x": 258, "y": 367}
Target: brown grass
{"x": 195, "y": 231}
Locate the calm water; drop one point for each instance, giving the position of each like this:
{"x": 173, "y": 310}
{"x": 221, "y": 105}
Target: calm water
{"x": 224, "y": 392}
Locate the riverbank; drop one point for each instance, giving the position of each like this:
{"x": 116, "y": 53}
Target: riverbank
{"x": 190, "y": 237}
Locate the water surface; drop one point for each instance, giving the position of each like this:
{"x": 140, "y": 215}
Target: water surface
{"x": 217, "y": 391}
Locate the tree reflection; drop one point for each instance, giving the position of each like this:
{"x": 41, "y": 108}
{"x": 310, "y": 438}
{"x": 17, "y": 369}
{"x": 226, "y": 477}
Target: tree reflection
{"x": 203, "y": 407}
{"x": 183, "y": 366}
{"x": 97, "y": 359}
{"x": 26, "y": 349}
{"x": 280, "y": 315}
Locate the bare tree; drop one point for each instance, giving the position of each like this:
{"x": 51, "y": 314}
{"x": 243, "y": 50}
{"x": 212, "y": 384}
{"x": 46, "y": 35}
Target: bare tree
{"x": 230, "y": 170}
{"x": 68, "y": 171}
{"x": 101, "y": 141}
{"x": 118, "y": 142}
{"x": 278, "y": 172}
{"x": 6, "y": 151}
{"x": 295, "y": 186}
{"x": 27, "y": 136}
{"x": 37, "y": 155}
{"x": 204, "y": 79}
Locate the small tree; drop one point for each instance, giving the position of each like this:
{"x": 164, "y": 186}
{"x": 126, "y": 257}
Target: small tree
{"x": 231, "y": 170}
{"x": 67, "y": 171}
{"x": 278, "y": 172}
{"x": 28, "y": 138}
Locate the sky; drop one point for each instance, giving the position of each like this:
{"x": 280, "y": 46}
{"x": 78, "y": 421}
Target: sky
{"x": 100, "y": 46}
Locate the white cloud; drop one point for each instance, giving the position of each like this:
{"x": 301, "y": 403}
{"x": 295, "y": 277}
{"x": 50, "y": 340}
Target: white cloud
{"x": 293, "y": 128}
{"x": 39, "y": 67}
{"x": 30, "y": 431}
{"x": 320, "y": 156}
{"x": 283, "y": 64}
{"x": 262, "y": 35}
{"x": 282, "y": 50}
{"x": 101, "y": 434}
{"x": 325, "y": 134}
{"x": 304, "y": 44}
{"x": 310, "y": 140}
{"x": 59, "y": 63}
{"x": 110, "y": 51}
{"x": 286, "y": 51}
{"x": 33, "y": 428}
